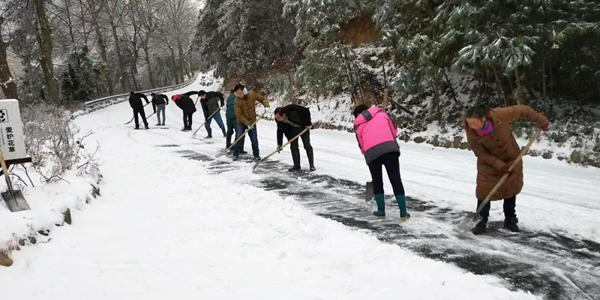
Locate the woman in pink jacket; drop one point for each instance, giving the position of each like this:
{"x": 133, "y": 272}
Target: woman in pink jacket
{"x": 376, "y": 135}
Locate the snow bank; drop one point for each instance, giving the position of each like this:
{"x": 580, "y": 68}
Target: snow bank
{"x": 47, "y": 202}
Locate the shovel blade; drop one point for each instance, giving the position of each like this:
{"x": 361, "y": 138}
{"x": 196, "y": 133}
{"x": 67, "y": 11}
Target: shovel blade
{"x": 468, "y": 223}
{"x": 256, "y": 166}
{"x": 221, "y": 153}
{"x": 15, "y": 201}
{"x": 369, "y": 194}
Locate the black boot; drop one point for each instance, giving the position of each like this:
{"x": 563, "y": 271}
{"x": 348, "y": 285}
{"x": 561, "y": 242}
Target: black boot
{"x": 296, "y": 160}
{"x": 480, "y": 228}
{"x": 209, "y": 136}
{"x": 311, "y": 158}
{"x": 510, "y": 215}
{"x": 511, "y": 224}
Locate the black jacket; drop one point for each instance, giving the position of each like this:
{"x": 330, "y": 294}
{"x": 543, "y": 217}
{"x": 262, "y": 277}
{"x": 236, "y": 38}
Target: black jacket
{"x": 135, "y": 100}
{"x": 186, "y": 103}
{"x": 159, "y": 99}
{"x": 210, "y": 103}
{"x": 296, "y": 114}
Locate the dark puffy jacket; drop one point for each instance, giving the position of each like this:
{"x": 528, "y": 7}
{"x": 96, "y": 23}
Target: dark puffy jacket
{"x": 298, "y": 115}
{"x": 212, "y": 101}
{"x": 159, "y": 99}
{"x": 230, "y": 112}
{"x": 186, "y": 103}
{"x": 135, "y": 100}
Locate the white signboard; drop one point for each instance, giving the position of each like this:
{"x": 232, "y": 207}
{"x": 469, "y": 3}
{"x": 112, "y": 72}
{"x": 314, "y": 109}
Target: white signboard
{"x": 11, "y": 130}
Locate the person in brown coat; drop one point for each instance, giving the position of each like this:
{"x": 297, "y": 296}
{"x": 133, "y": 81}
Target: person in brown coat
{"x": 492, "y": 141}
{"x": 245, "y": 116}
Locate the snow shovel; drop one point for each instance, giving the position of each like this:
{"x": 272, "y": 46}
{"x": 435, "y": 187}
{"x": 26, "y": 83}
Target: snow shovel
{"x": 369, "y": 194}
{"x": 276, "y": 151}
{"x": 468, "y": 223}
{"x": 239, "y": 138}
{"x": 134, "y": 116}
{"x": 216, "y": 111}
{"x": 14, "y": 198}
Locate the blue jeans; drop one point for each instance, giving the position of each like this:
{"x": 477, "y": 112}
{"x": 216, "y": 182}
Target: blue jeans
{"x": 217, "y": 118}
{"x": 253, "y": 134}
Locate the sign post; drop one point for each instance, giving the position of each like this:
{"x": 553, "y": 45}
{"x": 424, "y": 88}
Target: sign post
{"x": 12, "y": 150}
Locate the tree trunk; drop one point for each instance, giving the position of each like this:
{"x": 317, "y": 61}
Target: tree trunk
{"x": 134, "y": 73}
{"x": 518, "y": 82}
{"x": 543, "y": 72}
{"x": 124, "y": 82}
{"x": 102, "y": 45}
{"x": 479, "y": 86}
{"x": 181, "y": 62}
{"x": 452, "y": 90}
{"x": 500, "y": 89}
{"x": 7, "y": 83}
{"x": 353, "y": 92}
{"x": 69, "y": 22}
{"x": 44, "y": 38}
{"x": 150, "y": 76}
{"x": 174, "y": 63}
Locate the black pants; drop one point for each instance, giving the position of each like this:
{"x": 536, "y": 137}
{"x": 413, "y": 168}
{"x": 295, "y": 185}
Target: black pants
{"x": 140, "y": 111}
{"x": 230, "y": 130}
{"x": 187, "y": 120}
{"x": 305, "y": 139}
{"x": 392, "y": 166}
{"x": 509, "y": 208}
{"x": 294, "y": 146}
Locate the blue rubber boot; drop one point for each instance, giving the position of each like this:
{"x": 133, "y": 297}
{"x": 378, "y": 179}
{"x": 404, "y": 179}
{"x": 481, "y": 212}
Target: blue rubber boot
{"x": 380, "y": 212}
{"x": 401, "y": 199}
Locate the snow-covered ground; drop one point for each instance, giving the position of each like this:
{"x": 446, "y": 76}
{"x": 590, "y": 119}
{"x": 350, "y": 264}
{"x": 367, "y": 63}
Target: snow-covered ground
{"x": 167, "y": 227}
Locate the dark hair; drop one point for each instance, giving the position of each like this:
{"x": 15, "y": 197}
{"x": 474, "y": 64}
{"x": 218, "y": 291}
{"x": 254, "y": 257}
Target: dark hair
{"x": 152, "y": 94}
{"x": 279, "y": 111}
{"x": 201, "y": 93}
{"x": 477, "y": 111}
{"x": 359, "y": 109}
{"x": 130, "y": 93}
{"x": 238, "y": 87}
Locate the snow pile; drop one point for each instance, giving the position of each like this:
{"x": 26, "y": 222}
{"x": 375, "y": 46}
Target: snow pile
{"x": 48, "y": 202}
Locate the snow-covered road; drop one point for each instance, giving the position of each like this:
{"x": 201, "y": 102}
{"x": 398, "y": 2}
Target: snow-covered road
{"x": 175, "y": 222}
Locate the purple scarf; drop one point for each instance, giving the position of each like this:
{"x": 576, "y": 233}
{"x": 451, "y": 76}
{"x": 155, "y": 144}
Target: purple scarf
{"x": 486, "y": 129}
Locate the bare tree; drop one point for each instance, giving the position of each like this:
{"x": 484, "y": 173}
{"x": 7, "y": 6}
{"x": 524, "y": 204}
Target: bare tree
{"x": 7, "y": 82}
{"x": 146, "y": 11}
{"x": 45, "y": 44}
{"x": 116, "y": 11}
{"x": 133, "y": 35}
{"x": 95, "y": 8}
{"x": 179, "y": 25}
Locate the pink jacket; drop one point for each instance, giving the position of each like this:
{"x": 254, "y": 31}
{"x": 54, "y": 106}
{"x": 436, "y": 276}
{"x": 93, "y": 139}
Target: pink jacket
{"x": 376, "y": 134}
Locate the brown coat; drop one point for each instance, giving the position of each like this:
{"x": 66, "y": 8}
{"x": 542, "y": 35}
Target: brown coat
{"x": 245, "y": 108}
{"x": 499, "y": 148}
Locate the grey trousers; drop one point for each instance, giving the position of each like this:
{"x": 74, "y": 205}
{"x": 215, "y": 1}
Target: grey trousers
{"x": 160, "y": 109}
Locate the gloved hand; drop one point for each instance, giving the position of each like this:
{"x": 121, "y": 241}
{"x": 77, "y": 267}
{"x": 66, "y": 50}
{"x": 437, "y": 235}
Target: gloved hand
{"x": 505, "y": 170}
{"x": 250, "y": 127}
{"x": 545, "y": 126}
